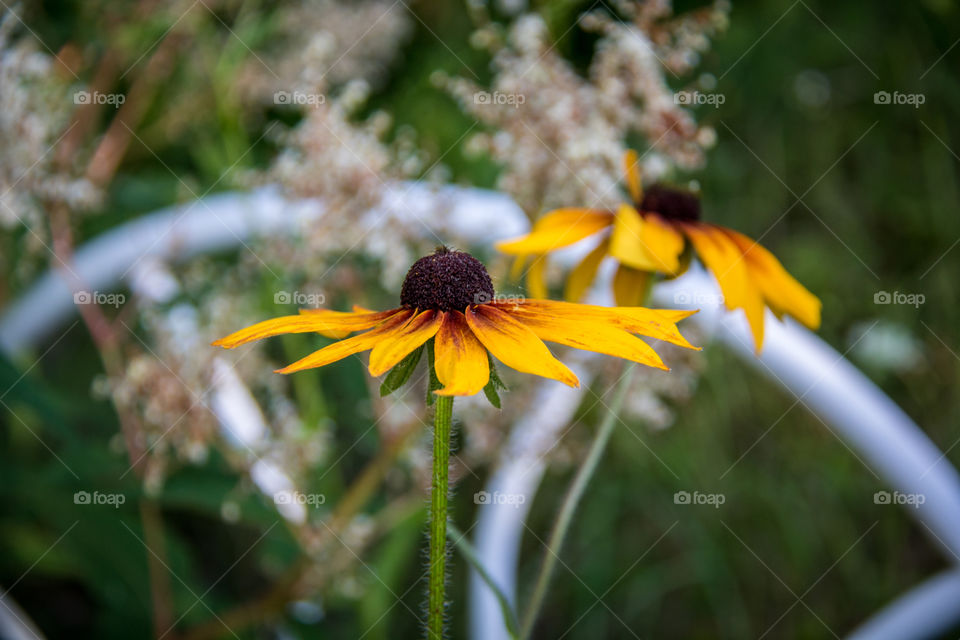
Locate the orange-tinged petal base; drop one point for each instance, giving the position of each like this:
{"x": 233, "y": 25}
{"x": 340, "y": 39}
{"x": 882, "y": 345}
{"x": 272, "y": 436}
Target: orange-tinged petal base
{"x": 514, "y": 344}
{"x": 393, "y": 348}
{"x": 460, "y": 359}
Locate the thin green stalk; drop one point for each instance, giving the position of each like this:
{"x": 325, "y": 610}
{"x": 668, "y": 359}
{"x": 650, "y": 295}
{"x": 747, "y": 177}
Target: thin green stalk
{"x": 570, "y": 502}
{"x": 470, "y": 554}
{"x": 438, "y": 516}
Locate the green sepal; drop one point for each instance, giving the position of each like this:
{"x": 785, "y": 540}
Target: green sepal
{"x": 401, "y": 372}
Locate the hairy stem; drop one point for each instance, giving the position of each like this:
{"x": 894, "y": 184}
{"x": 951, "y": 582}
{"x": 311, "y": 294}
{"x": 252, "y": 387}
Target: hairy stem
{"x": 438, "y": 516}
{"x": 560, "y": 528}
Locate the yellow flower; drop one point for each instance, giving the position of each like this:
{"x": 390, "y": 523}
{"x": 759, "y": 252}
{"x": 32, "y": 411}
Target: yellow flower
{"x": 448, "y": 297}
{"x": 652, "y": 235}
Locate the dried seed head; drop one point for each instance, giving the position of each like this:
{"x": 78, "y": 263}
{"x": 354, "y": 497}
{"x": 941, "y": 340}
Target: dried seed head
{"x": 672, "y": 204}
{"x": 446, "y": 280}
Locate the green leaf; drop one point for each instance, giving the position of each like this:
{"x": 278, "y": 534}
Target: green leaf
{"x": 460, "y": 541}
{"x": 491, "y": 392}
{"x": 494, "y": 385}
{"x": 401, "y": 373}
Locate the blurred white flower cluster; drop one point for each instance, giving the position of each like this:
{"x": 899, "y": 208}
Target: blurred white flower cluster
{"x": 559, "y": 134}
{"x": 36, "y": 104}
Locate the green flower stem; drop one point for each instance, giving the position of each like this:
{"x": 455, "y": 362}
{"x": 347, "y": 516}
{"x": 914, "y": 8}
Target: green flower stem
{"x": 438, "y": 516}
{"x": 572, "y": 499}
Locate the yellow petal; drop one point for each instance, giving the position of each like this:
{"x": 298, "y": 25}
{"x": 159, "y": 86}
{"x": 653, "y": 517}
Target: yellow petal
{"x": 662, "y": 242}
{"x": 460, "y": 359}
{"x": 781, "y": 291}
{"x": 645, "y": 242}
{"x": 720, "y": 254}
{"x": 625, "y": 243}
{"x": 333, "y": 324}
{"x": 631, "y": 172}
{"x": 583, "y": 274}
{"x": 557, "y": 229}
{"x": 630, "y": 286}
{"x": 515, "y": 345}
{"x": 591, "y": 335}
{"x": 356, "y": 344}
{"x": 536, "y": 282}
{"x": 392, "y": 349}
{"x": 655, "y": 323}
{"x": 516, "y": 268}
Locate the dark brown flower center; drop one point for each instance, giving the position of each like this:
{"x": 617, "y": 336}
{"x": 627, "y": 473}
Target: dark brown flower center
{"x": 672, "y": 204}
{"x": 446, "y": 280}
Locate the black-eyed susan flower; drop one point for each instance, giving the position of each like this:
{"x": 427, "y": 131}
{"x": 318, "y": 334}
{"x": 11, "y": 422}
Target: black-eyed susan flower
{"x": 448, "y": 297}
{"x": 447, "y": 303}
{"x": 655, "y": 234}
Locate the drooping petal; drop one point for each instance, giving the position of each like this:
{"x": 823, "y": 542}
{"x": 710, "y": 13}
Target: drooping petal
{"x": 460, "y": 359}
{"x": 536, "y": 278}
{"x": 517, "y": 266}
{"x": 782, "y": 292}
{"x": 625, "y": 243}
{"x": 356, "y": 344}
{"x": 591, "y": 335}
{"x": 631, "y": 173}
{"x": 515, "y": 345}
{"x": 583, "y": 274}
{"x": 393, "y": 348}
{"x": 557, "y": 229}
{"x": 654, "y": 323}
{"x": 333, "y": 324}
{"x": 720, "y": 254}
{"x": 630, "y": 286}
